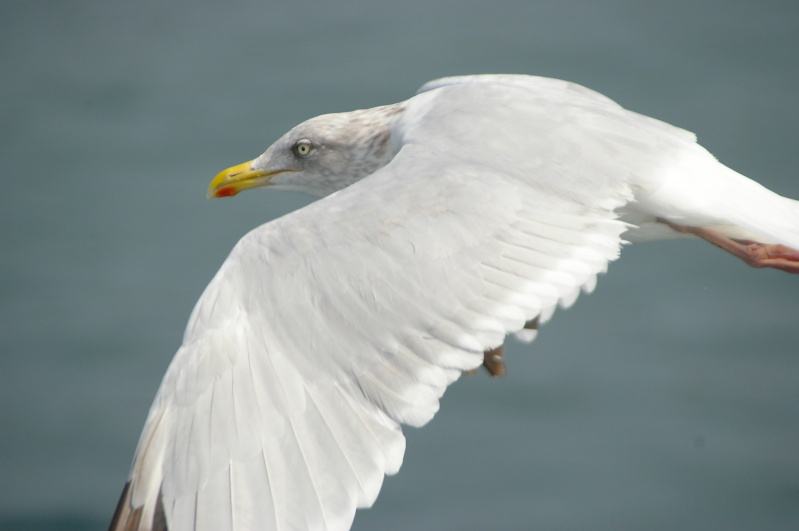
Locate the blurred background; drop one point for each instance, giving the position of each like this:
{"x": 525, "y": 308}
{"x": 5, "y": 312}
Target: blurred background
{"x": 668, "y": 399}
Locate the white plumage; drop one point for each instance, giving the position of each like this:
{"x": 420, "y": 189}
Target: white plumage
{"x": 451, "y": 220}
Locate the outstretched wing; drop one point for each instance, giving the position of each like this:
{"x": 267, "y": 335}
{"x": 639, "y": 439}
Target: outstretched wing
{"x": 328, "y": 328}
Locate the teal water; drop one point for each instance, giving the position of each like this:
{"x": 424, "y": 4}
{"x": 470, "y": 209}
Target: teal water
{"x": 668, "y": 399}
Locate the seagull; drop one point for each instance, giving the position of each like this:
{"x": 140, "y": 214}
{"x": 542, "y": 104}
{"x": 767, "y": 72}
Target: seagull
{"x": 445, "y": 222}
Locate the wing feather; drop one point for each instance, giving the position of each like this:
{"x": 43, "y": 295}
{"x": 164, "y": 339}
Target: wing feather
{"x": 326, "y": 329}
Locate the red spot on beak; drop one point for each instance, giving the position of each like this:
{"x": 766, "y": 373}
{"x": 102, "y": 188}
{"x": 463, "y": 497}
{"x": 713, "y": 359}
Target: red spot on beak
{"x": 226, "y": 191}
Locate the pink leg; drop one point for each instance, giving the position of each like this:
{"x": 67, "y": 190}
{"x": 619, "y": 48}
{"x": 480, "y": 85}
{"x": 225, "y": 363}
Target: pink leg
{"x": 753, "y": 253}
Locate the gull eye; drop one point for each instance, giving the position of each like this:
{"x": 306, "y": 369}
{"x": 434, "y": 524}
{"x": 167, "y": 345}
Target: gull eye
{"x": 303, "y": 148}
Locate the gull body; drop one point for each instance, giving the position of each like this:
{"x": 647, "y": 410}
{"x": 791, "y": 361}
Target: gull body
{"x": 446, "y": 222}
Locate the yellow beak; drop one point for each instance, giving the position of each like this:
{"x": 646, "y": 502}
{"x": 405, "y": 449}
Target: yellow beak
{"x": 242, "y": 177}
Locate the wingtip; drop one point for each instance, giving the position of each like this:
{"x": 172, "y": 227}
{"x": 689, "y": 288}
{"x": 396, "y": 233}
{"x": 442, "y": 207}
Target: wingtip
{"x": 126, "y": 518}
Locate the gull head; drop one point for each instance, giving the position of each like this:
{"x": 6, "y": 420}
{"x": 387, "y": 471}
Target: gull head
{"x": 319, "y": 156}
